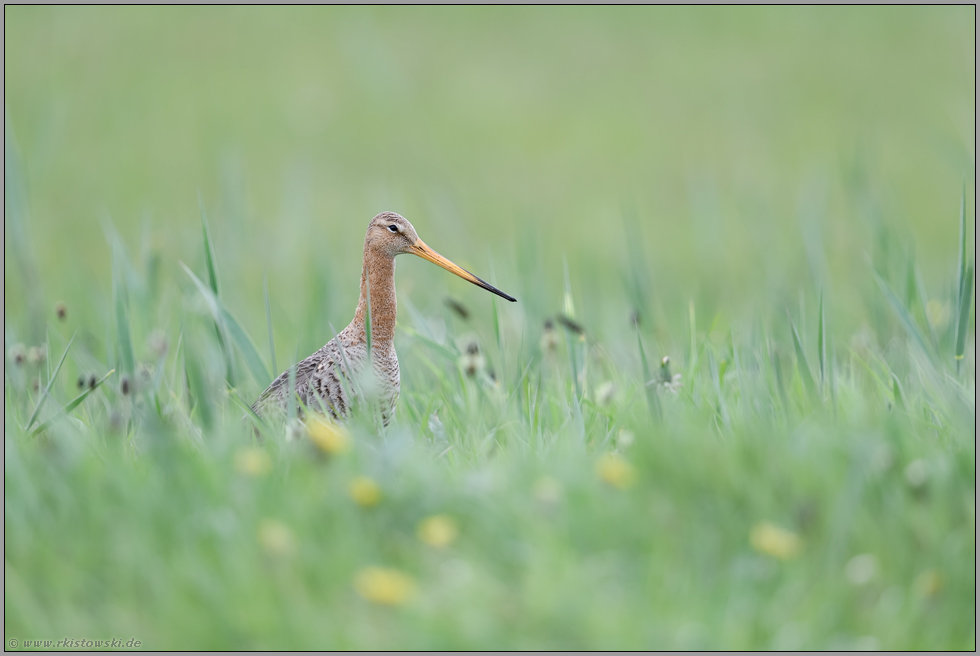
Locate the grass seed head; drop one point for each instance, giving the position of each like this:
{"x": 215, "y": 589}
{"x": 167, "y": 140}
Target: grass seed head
{"x": 458, "y": 308}
{"x": 605, "y": 394}
{"x": 669, "y": 382}
{"x": 124, "y": 385}
{"x": 18, "y": 354}
{"x": 549, "y": 337}
{"x": 36, "y": 354}
{"x": 144, "y": 371}
{"x": 157, "y": 342}
{"x": 61, "y": 311}
{"x": 472, "y": 361}
{"x": 571, "y": 324}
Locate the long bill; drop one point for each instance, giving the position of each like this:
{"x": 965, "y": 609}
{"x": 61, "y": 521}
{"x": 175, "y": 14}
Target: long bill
{"x": 419, "y": 248}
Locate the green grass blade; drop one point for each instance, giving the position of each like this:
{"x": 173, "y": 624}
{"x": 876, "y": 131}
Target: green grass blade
{"x": 198, "y": 387}
{"x": 897, "y": 392}
{"x": 716, "y": 375}
{"x": 268, "y": 323}
{"x": 227, "y": 324}
{"x": 47, "y": 388}
{"x": 964, "y": 286}
{"x": 923, "y": 299}
{"x": 447, "y": 353}
{"x": 963, "y": 311}
{"x": 74, "y": 403}
{"x": 903, "y": 316}
{"x": 692, "y": 362}
{"x": 649, "y": 384}
{"x": 213, "y": 282}
{"x": 780, "y": 383}
{"x": 961, "y": 254}
{"x": 247, "y": 348}
{"x": 805, "y": 372}
{"x": 208, "y": 249}
{"x": 256, "y": 420}
{"x": 822, "y": 345}
{"x": 124, "y": 339}
{"x": 209, "y": 297}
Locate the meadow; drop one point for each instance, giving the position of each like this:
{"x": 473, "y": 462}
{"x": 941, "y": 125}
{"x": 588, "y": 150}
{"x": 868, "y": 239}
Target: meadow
{"x": 734, "y": 406}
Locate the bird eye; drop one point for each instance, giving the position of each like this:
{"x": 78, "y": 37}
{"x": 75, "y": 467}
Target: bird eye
{"x": 393, "y": 227}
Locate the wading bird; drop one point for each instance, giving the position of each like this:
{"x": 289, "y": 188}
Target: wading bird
{"x": 328, "y": 379}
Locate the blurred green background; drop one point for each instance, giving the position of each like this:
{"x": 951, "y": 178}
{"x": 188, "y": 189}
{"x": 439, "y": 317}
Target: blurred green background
{"x": 731, "y": 135}
{"x": 731, "y": 174}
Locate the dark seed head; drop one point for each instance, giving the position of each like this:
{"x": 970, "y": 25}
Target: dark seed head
{"x": 473, "y": 348}
{"x": 18, "y": 354}
{"x": 549, "y": 324}
{"x": 81, "y": 381}
{"x": 61, "y": 311}
{"x": 35, "y": 384}
{"x": 92, "y": 380}
{"x": 124, "y": 385}
{"x": 571, "y": 324}
{"x": 457, "y": 307}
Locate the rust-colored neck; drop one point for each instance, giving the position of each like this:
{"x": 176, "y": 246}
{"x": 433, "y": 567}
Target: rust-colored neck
{"x": 379, "y": 268}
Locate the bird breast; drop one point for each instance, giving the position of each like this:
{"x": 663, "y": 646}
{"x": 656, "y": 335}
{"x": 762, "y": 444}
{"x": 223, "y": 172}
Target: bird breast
{"x": 341, "y": 371}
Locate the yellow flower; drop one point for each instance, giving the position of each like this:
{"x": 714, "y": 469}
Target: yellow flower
{"x": 774, "y": 541}
{"x": 615, "y": 471}
{"x": 364, "y": 491}
{"x": 330, "y": 437}
{"x": 275, "y": 537}
{"x": 437, "y": 531}
{"x": 381, "y": 585}
{"x": 253, "y": 462}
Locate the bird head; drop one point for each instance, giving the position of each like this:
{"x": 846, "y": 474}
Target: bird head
{"x": 392, "y": 234}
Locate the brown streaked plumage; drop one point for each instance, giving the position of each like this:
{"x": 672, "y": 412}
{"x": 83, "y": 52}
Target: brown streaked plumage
{"x": 331, "y": 376}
